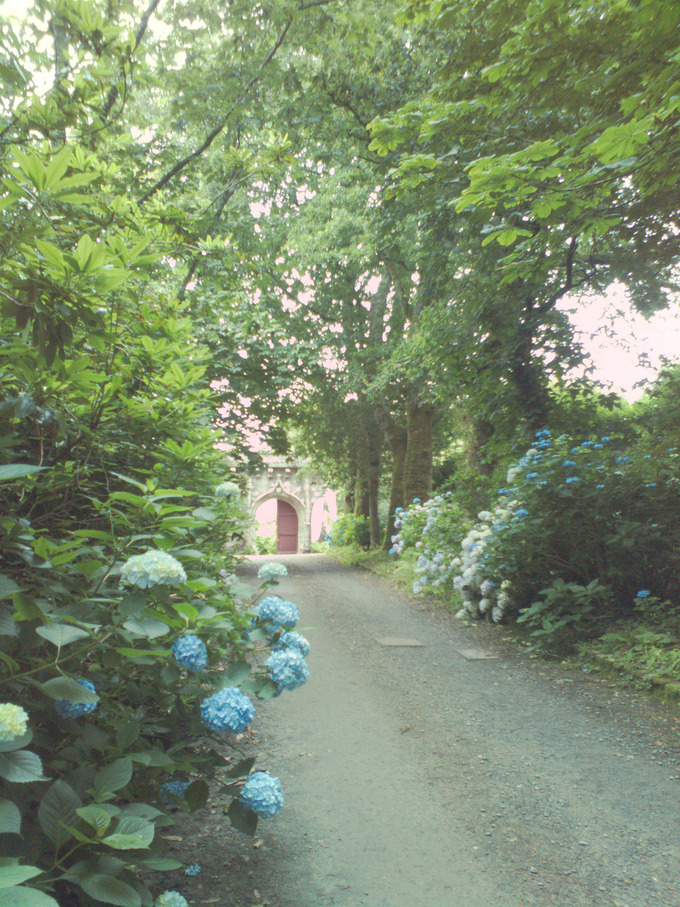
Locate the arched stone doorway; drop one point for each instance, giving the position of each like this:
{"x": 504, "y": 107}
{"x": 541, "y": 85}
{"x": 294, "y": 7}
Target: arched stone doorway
{"x": 292, "y": 527}
{"x": 296, "y": 485}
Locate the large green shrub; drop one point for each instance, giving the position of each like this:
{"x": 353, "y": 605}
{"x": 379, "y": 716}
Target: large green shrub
{"x": 107, "y": 454}
{"x": 578, "y": 529}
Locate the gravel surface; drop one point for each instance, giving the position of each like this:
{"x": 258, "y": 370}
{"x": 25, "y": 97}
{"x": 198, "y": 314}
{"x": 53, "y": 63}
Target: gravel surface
{"x": 417, "y": 777}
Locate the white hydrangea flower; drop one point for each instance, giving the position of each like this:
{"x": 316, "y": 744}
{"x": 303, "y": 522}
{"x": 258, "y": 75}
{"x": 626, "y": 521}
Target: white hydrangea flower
{"x": 153, "y": 568}
{"x": 13, "y": 722}
{"x": 227, "y": 490}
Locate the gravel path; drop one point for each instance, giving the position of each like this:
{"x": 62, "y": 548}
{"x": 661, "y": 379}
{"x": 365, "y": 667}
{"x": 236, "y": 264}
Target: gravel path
{"x": 415, "y": 777}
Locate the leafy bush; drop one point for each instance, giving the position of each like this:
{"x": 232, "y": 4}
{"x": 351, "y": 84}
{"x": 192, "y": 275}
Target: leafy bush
{"x": 265, "y": 544}
{"x": 119, "y": 530}
{"x": 578, "y": 528}
{"x": 576, "y": 512}
{"x": 350, "y": 530}
{"x": 110, "y": 645}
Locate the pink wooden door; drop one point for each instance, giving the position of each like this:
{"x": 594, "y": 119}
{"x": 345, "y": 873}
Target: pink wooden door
{"x": 286, "y": 528}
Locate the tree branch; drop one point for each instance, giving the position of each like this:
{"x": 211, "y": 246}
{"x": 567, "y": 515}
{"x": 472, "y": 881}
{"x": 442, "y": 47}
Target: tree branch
{"x": 568, "y": 281}
{"x": 210, "y": 138}
{"x": 143, "y": 25}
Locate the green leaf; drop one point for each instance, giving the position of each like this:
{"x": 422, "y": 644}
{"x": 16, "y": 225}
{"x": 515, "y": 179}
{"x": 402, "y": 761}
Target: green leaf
{"x": 160, "y": 864}
{"x": 127, "y": 733}
{"x": 143, "y": 655}
{"x": 61, "y": 634}
{"x": 147, "y": 627}
{"x": 114, "y": 776}
{"x": 7, "y": 625}
{"x": 98, "y": 818}
{"x": 10, "y": 818}
{"x": 25, "y": 608}
{"x": 8, "y": 746}
{"x": 57, "y": 167}
{"x": 131, "y": 833}
{"x": 27, "y": 897}
{"x": 21, "y": 767}
{"x": 196, "y": 795}
{"x": 58, "y": 808}
{"x": 244, "y": 820}
{"x": 236, "y": 673}
{"x": 68, "y": 688}
{"x": 108, "y": 889}
{"x": 17, "y": 470}
{"x": 242, "y": 768}
{"x": 132, "y": 604}
{"x": 7, "y": 587}
{"x": 13, "y": 874}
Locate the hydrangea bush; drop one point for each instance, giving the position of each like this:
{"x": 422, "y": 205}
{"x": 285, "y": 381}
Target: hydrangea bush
{"x": 350, "y": 530}
{"x": 577, "y": 527}
{"x": 431, "y": 529}
{"x": 99, "y": 708}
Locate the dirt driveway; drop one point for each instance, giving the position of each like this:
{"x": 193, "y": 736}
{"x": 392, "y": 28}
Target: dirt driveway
{"x": 426, "y": 774}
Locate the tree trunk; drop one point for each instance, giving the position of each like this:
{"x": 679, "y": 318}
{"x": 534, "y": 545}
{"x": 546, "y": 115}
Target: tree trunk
{"x": 351, "y": 483}
{"x": 373, "y": 475}
{"x": 482, "y": 432}
{"x": 418, "y": 460}
{"x": 527, "y": 373}
{"x": 396, "y": 438}
{"x": 361, "y": 492}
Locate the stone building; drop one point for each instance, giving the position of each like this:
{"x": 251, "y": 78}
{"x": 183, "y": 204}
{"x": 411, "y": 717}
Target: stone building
{"x": 301, "y": 506}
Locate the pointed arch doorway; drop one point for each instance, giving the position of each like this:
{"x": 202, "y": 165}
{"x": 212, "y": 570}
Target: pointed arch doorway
{"x": 286, "y": 528}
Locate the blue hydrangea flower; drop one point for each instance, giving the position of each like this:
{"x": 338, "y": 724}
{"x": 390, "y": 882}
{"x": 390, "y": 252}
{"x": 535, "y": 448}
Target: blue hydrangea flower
{"x": 68, "y": 709}
{"x": 568, "y": 463}
{"x": 417, "y": 588}
{"x": 650, "y": 484}
{"x": 416, "y": 500}
{"x": 521, "y": 512}
{"x": 173, "y": 789}
{"x": 643, "y": 593}
{"x": 271, "y": 571}
{"x": 288, "y": 669}
{"x": 532, "y": 475}
{"x": 623, "y": 459}
{"x": 13, "y": 722}
{"x": 191, "y": 653}
{"x": 153, "y": 568}
{"x": 263, "y": 794}
{"x": 280, "y": 612}
{"x": 193, "y": 869}
{"x": 293, "y": 640}
{"x": 571, "y": 480}
{"x": 171, "y": 899}
{"x": 227, "y": 710}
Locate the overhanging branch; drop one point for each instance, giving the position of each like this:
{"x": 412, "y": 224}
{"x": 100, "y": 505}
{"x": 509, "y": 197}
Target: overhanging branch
{"x": 210, "y": 138}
